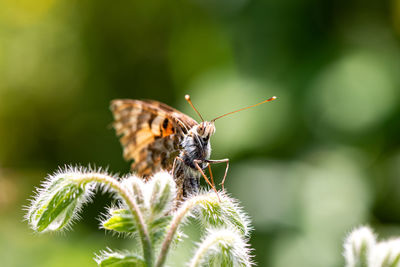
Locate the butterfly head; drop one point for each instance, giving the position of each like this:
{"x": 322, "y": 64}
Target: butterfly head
{"x": 205, "y": 130}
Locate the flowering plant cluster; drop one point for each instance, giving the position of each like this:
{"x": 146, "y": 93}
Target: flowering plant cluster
{"x": 146, "y": 211}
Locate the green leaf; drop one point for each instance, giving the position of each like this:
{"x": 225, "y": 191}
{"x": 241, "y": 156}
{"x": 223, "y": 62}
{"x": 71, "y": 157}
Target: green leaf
{"x": 56, "y": 211}
{"x": 119, "y": 259}
{"x": 121, "y": 220}
{"x": 38, "y": 205}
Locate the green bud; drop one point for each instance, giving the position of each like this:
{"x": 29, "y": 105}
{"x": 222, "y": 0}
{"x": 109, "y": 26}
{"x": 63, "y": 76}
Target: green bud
{"x": 385, "y": 254}
{"x": 56, "y": 204}
{"x": 120, "y": 259}
{"x": 163, "y": 192}
{"x": 121, "y": 220}
{"x": 137, "y": 188}
{"x": 222, "y": 247}
{"x": 224, "y": 211}
{"x": 357, "y": 247}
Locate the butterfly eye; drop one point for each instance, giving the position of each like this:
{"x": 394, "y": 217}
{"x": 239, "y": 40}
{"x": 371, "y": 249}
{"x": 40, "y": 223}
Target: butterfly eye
{"x": 205, "y": 139}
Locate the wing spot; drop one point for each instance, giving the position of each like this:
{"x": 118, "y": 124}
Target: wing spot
{"x": 165, "y": 123}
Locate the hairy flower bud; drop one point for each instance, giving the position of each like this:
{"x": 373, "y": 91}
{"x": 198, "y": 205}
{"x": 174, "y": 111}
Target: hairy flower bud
{"x": 357, "y": 247}
{"x": 58, "y": 202}
{"x": 222, "y": 247}
{"x": 120, "y": 220}
{"x": 385, "y": 253}
{"x": 111, "y": 258}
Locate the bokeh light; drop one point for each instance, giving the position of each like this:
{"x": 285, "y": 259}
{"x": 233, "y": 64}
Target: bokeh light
{"x": 24, "y": 12}
{"x": 221, "y": 91}
{"x": 354, "y": 94}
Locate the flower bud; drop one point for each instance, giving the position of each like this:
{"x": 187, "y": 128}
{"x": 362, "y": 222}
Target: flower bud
{"x": 121, "y": 258}
{"x": 163, "y": 192}
{"x": 386, "y": 253}
{"x": 222, "y": 247}
{"x": 58, "y": 202}
{"x": 358, "y": 245}
{"x": 120, "y": 220}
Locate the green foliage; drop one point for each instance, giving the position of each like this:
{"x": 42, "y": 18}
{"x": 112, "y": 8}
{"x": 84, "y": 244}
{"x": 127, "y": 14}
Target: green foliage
{"x": 146, "y": 210}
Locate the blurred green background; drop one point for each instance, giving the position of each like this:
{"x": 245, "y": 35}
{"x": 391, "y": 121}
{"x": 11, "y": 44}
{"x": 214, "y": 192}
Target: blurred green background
{"x": 308, "y": 167}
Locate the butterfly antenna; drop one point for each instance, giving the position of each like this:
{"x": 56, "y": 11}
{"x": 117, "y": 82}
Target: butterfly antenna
{"x": 265, "y": 101}
{"x": 187, "y": 97}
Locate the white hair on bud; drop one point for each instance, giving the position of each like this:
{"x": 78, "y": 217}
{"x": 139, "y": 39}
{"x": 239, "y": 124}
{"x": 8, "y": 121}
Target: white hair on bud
{"x": 221, "y": 246}
{"x": 123, "y": 256}
{"x": 358, "y": 245}
{"x": 166, "y": 193}
{"x": 225, "y": 210}
{"x": 143, "y": 191}
{"x": 385, "y": 253}
{"x": 63, "y": 177}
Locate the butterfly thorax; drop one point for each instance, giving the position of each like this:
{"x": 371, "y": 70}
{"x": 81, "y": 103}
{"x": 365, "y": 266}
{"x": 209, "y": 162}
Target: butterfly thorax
{"x": 196, "y": 144}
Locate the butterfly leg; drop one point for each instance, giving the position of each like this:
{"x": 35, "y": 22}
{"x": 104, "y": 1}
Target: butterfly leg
{"x": 211, "y": 175}
{"x": 174, "y": 164}
{"x": 226, "y": 169}
{"x": 196, "y": 163}
{"x": 179, "y": 181}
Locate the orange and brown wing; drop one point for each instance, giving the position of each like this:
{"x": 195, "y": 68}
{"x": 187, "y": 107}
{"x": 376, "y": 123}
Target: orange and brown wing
{"x": 150, "y": 132}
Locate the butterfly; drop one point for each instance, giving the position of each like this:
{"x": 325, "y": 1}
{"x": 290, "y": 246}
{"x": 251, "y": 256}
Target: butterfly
{"x": 156, "y": 136}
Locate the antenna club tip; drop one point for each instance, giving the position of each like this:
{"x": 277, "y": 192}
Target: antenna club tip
{"x": 187, "y": 97}
{"x": 273, "y": 98}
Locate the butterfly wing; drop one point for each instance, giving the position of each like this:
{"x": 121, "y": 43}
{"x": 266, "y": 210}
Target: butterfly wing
{"x": 150, "y": 132}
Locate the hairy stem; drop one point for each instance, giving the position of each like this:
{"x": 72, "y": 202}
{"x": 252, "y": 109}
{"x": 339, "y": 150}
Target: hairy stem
{"x": 176, "y": 220}
{"x": 142, "y": 228}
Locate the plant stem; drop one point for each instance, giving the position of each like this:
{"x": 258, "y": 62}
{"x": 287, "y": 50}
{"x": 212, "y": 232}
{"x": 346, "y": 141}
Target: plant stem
{"x": 137, "y": 214}
{"x": 176, "y": 220}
